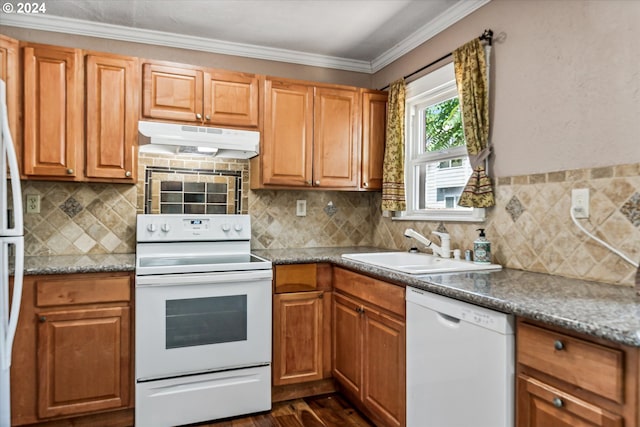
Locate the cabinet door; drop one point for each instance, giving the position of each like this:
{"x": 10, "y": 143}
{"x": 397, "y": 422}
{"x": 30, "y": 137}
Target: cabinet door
{"x": 347, "y": 343}
{"x": 288, "y": 132}
{"x": 541, "y": 405}
{"x": 335, "y": 137}
{"x": 9, "y": 72}
{"x": 112, "y": 116}
{"x": 53, "y": 112}
{"x": 384, "y": 367}
{"x": 231, "y": 99}
{"x": 374, "y": 121}
{"x": 172, "y": 93}
{"x": 297, "y": 337}
{"x": 83, "y": 361}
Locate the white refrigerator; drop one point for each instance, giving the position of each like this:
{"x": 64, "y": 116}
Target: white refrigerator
{"x": 11, "y": 246}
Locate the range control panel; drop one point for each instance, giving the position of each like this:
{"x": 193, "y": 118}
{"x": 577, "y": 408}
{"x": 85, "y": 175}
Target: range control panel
{"x": 179, "y": 228}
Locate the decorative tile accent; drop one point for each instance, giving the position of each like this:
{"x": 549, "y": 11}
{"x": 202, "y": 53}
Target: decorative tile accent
{"x": 515, "y": 208}
{"x": 330, "y": 209}
{"x": 71, "y": 207}
{"x": 631, "y": 209}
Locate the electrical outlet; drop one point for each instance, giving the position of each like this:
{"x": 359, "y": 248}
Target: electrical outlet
{"x": 580, "y": 202}
{"x": 301, "y": 207}
{"x": 33, "y": 203}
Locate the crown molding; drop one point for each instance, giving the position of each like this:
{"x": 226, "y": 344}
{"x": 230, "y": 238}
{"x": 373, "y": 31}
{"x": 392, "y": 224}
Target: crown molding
{"x": 427, "y": 31}
{"x": 118, "y": 32}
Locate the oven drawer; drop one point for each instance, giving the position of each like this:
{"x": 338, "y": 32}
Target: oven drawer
{"x": 203, "y": 397}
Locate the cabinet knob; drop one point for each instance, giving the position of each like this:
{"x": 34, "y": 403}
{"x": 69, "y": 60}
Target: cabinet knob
{"x": 70, "y": 171}
{"x": 557, "y": 402}
{"x": 198, "y": 116}
{"x": 208, "y": 117}
{"x": 365, "y": 184}
{"x": 558, "y": 345}
{"x": 360, "y": 310}
{"x": 309, "y": 182}
{"x": 317, "y": 182}
{"x": 127, "y": 174}
{"x": 42, "y": 319}
{"x": 321, "y": 296}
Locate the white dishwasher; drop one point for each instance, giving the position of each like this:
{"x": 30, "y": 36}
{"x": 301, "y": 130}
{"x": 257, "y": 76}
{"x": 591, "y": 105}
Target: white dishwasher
{"x": 460, "y": 363}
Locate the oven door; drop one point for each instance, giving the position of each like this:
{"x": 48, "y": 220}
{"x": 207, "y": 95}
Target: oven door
{"x": 193, "y": 323}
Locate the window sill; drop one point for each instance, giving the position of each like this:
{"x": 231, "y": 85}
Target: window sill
{"x": 477, "y": 215}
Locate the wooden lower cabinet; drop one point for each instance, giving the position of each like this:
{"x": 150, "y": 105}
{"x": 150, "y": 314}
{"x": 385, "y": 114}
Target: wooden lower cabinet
{"x": 301, "y": 331}
{"x": 369, "y": 352}
{"x": 298, "y": 332}
{"x": 73, "y": 362}
{"x": 80, "y": 363}
{"x": 566, "y": 379}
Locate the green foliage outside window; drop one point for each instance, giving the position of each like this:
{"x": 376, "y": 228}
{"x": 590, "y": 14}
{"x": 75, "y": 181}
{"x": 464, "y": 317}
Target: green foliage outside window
{"x": 443, "y": 126}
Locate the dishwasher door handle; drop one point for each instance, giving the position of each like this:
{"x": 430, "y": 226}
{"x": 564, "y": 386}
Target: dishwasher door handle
{"x": 450, "y": 321}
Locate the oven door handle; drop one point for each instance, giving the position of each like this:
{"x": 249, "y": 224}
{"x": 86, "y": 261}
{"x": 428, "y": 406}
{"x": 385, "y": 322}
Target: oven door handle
{"x": 203, "y": 278}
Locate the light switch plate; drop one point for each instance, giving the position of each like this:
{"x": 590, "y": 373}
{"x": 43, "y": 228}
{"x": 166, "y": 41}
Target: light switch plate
{"x": 301, "y": 208}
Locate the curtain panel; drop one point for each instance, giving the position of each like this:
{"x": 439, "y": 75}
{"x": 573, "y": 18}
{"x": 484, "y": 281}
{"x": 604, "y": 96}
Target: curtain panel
{"x": 472, "y": 79}
{"x": 393, "y": 198}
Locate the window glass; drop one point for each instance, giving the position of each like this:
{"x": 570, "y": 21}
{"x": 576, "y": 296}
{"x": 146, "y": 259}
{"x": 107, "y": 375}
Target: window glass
{"x": 437, "y": 164}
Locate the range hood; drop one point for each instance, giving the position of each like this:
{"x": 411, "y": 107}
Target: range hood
{"x": 171, "y": 138}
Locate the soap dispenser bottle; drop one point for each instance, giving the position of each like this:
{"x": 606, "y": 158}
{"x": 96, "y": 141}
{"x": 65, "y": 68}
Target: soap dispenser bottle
{"x": 481, "y": 249}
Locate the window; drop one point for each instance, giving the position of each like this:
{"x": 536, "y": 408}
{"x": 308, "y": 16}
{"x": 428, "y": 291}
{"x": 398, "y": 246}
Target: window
{"x": 437, "y": 165}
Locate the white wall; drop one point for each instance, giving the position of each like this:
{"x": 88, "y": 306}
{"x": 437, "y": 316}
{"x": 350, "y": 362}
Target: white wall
{"x": 565, "y": 76}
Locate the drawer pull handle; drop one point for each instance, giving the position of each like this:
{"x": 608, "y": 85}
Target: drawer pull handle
{"x": 42, "y": 319}
{"x": 557, "y": 402}
{"x": 558, "y": 345}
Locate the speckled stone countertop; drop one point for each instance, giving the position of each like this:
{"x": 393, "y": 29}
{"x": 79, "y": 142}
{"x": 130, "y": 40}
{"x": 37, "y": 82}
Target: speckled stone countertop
{"x": 602, "y": 310}
{"x": 66, "y": 264}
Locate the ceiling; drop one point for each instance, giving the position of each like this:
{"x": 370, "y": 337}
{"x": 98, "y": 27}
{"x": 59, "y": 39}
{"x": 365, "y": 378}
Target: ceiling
{"x": 356, "y": 35}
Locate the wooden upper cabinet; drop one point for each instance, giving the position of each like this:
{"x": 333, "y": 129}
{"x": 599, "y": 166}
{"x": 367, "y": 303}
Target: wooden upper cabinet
{"x": 53, "y": 111}
{"x": 172, "y": 93}
{"x": 311, "y": 136}
{"x": 9, "y": 72}
{"x": 374, "y": 119}
{"x": 335, "y": 137}
{"x": 112, "y": 102}
{"x": 286, "y": 155}
{"x": 201, "y": 96}
{"x": 231, "y": 99}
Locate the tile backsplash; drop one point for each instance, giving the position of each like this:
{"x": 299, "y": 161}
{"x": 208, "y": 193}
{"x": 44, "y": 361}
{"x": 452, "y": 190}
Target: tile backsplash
{"x": 79, "y": 218}
{"x": 529, "y": 228}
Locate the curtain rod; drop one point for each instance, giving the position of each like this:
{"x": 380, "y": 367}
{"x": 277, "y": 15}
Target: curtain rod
{"x": 487, "y": 36}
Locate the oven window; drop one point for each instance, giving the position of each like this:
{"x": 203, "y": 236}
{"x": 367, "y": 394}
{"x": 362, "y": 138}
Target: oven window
{"x": 202, "y": 321}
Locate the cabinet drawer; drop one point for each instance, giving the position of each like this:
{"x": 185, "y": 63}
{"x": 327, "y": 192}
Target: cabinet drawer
{"x": 82, "y": 290}
{"x": 590, "y": 366}
{"x": 382, "y": 294}
{"x": 295, "y": 278}
{"x": 544, "y": 405}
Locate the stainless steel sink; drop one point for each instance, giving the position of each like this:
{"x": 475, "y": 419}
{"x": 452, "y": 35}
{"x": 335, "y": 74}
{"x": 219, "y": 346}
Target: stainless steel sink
{"x": 418, "y": 263}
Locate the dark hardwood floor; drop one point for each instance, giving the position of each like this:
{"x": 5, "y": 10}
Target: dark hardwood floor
{"x": 317, "y": 411}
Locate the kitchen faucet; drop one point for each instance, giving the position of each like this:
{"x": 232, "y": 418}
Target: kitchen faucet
{"x": 443, "y": 251}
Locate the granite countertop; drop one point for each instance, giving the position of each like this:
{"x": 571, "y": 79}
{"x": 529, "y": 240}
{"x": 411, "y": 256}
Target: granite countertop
{"x": 602, "y": 310}
{"x": 66, "y": 264}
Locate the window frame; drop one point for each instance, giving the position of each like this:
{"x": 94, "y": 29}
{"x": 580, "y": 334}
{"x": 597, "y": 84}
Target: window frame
{"x": 437, "y": 86}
